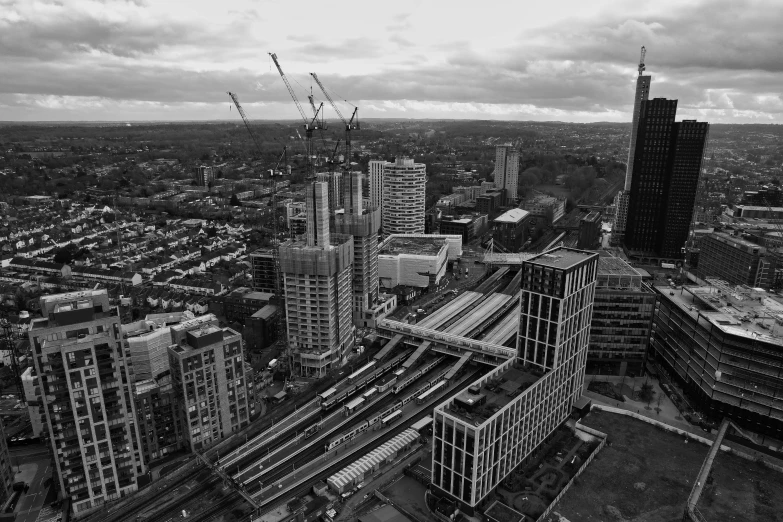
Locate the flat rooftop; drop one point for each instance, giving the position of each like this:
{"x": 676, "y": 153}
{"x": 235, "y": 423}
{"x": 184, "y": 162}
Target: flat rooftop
{"x": 746, "y": 312}
{"x": 615, "y": 266}
{"x": 426, "y": 246}
{"x": 561, "y": 258}
{"x": 494, "y": 393}
{"x": 515, "y": 215}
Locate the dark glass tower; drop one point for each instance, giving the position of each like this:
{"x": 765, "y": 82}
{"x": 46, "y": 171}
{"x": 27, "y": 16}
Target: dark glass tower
{"x": 666, "y": 167}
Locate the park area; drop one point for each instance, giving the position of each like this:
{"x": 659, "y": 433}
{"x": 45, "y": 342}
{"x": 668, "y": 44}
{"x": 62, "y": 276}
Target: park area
{"x": 645, "y": 474}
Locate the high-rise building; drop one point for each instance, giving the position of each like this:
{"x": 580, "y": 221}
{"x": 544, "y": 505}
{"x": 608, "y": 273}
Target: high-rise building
{"x": 208, "y": 377}
{"x": 622, "y": 318}
{"x": 204, "y": 175}
{"x": 736, "y": 261}
{"x": 86, "y": 393}
{"x": 363, "y": 224}
{"x": 160, "y": 424}
{"x": 665, "y": 178}
{"x": 335, "y": 182}
{"x": 263, "y": 268}
{"x": 402, "y": 210}
{"x": 507, "y": 170}
{"x": 621, "y": 199}
{"x": 317, "y": 275}
{"x": 483, "y": 434}
{"x": 376, "y": 181}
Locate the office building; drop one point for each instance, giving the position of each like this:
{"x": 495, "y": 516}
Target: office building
{"x": 665, "y": 178}
{"x": 540, "y": 205}
{"x": 413, "y": 261}
{"x": 469, "y": 227}
{"x": 490, "y": 202}
{"x": 506, "y": 173}
{"x": 204, "y": 175}
{"x": 483, "y": 434}
{"x": 86, "y": 394}
{"x": 209, "y": 382}
{"x": 363, "y": 224}
{"x": 736, "y": 261}
{"x": 262, "y": 263}
{"x": 317, "y": 275}
{"x": 723, "y": 345}
{"x": 766, "y": 196}
{"x": 402, "y": 210}
{"x": 6, "y": 468}
{"x": 756, "y": 212}
{"x": 511, "y": 229}
{"x": 590, "y": 231}
{"x": 641, "y": 95}
{"x": 622, "y": 319}
{"x": 376, "y": 181}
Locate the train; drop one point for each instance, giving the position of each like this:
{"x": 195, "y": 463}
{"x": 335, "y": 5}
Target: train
{"x": 359, "y": 379}
{"x": 401, "y": 385}
{"x": 390, "y": 413}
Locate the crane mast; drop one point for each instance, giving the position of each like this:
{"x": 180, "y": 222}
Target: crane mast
{"x": 641, "y": 61}
{"x": 275, "y": 240}
{"x": 309, "y": 124}
{"x": 350, "y": 125}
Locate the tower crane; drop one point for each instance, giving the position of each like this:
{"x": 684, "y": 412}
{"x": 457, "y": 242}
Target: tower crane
{"x": 275, "y": 239}
{"x": 641, "y": 61}
{"x": 352, "y": 124}
{"x": 309, "y": 124}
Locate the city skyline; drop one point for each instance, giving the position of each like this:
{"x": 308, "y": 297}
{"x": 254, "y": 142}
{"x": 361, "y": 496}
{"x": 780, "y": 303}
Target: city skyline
{"x": 140, "y": 61}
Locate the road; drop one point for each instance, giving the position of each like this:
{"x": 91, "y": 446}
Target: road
{"x": 30, "y": 503}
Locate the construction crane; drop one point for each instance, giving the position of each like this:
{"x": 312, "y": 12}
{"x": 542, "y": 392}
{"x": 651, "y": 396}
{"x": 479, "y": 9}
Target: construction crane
{"x": 310, "y": 125}
{"x": 352, "y": 124}
{"x": 275, "y": 239}
{"x": 641, "y": 61}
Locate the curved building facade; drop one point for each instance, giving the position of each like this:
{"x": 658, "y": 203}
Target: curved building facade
{"x": 403, "y": 197}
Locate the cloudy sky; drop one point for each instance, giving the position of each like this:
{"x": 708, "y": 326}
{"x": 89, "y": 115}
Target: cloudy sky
{"x": 569, "y": 60}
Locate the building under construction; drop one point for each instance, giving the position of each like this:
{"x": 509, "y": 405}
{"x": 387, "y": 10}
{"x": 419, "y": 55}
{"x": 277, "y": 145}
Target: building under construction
{"x": 362, "y": 223}
{"x": 317, "y": 276}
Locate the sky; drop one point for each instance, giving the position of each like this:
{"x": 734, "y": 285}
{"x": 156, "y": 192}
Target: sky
{"x": 565, "y": 60}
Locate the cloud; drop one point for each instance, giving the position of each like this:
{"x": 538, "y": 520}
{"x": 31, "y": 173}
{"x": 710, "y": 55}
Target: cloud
{"x": 720, "y": 58}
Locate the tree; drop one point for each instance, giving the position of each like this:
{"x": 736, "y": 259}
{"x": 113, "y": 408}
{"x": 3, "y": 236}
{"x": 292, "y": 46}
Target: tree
{"x": 646, "y": 393}
{"x": 235, "y": 201}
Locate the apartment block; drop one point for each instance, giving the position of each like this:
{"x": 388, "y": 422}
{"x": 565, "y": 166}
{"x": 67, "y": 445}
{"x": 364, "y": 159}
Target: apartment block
{"x": 208, "y": 377}
{"x": 160, "y": 426}
{"x": 86, "y": 394}
{"x": 318, "y": 292}
{"x": 622, "y": 320}
{"x": 402, "y": 204}
{"x": 363, "y": 224}
{"x": 263, "y": 270}
{"x": 376, "y": 181}
{"x": 507, "y": 170}
{"x": 483, "y": 434}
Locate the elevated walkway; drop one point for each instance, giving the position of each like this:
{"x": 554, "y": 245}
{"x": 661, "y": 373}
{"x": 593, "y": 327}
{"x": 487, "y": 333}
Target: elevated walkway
{"x": 421, "y": 350}
{"x": 458, "y": 366}
{"x": 391, "y": 345}
{"x": 457, "y": 343}
{"x": 492, "y": 258}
